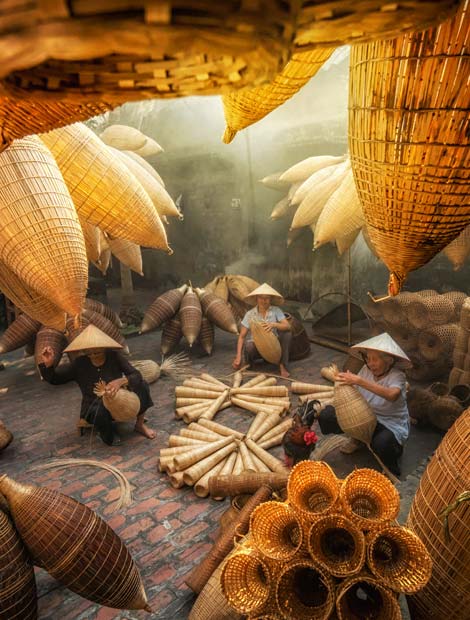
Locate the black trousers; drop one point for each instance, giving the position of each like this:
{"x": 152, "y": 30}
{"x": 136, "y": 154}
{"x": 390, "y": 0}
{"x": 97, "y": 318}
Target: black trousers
{"x": 383, "y": 443}
{"x": 251, "y": 352}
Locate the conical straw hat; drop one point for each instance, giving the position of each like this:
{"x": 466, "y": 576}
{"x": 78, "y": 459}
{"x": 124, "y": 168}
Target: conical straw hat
{"x": 92, "y": 338}
{"x": 385, "y": 344}
{"x": 264, "y": 289}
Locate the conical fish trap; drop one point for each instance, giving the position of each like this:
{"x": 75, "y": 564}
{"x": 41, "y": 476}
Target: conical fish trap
{"x": 337, "y": 544}
{"x": 369, "y": 499}
{"x": 217, "y": 311}
{"x": 304, "y": 591}
{"x": 190, "y": 316}
{"x": 74, "y": 545}
{"x": 17, "y": 586}
{"x": 127, "y": 253}
{"x": 91, "y": 236}
{"x": 18, "y": 333}
{"x": 49, "y": 337}
{"x": 162, "y": 309}
{"x": 246, "y": 581}
{"x": 6, "y": 436}
{"x": 267, "y": 343}
{"x": 106, "y": 311}
{"x": 398, "y": 559}
{"x": 123, "y": 406}
{"x": 312, "y": 488}
{"x": 437, "y": 341}
{"x": 365, "y": 597}
{"x": 354, "y": 414}
{"x": 206, "y": 335}
{"x": 329, "y": 372}
{"x": 41, "y": 239}
{"x": 276, "y": 531}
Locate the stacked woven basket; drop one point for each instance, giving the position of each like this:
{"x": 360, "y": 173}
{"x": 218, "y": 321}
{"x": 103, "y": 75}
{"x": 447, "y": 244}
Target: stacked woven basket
{"x": 438, "y": 405}
{"x": 331, "y": 545}
{"x": 425, "y": 324}
{"x": 460, "y": 372}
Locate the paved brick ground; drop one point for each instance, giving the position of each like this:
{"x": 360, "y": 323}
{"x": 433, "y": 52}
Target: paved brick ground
{"x": 166, "y": 530}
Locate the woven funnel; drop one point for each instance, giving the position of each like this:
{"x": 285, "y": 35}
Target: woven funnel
{"x": 443, "y": 412}
{"x": 276, "y": 531}
{"x": 148, "y": 168}
{"x": 127, "y": 253}
{"x": 17, "y": 587}
{"x": 41, "y": 239}
{"x": 329, "y": 372}
{"x": 184, "y": 461}
{"x": 171, "y": 335}
{"x": 277, "y": 391}
{"x": 364, "y": 597}
{"x": 304, "y": 591}
{"x": 49, "y": 337}
{"x": 18, "y": 333}
{"x": 458, "y": 250}
{"x": 75, "y": 546}
{"x": 123, "y": 406}
{"x": 246, "y": 581}
{"x": 308, "y": 388}
{"x": 206, "y": 335}
{"x": 337, "y": 544}
{"x": 211, "y": 603}
{"x": 354, "y": 414}
{"x": 369, "y": 499}
{"x": 106, "y": 311}
{"x": 273, "y": 463}
{"x": 398, "y": 559}
{"x": 267, "y": 343}
{"x": 191, "y": 316}
{"x": 267, "y": 422}
{"x": 6, "y": 436}
{"x": 102, "y": 189}
{"x": 91, "y": 236}
{"x": 162, "y": 309}
{"x": 201, "y": 467}
{"x": 201, "y": 487}
{"x": 217, "y": 311}
{"x": 220, "y": 428}
{"x": 312, "y": 488}
{"x": 414, "y": 204}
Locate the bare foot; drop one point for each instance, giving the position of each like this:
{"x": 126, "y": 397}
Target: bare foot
{"x": 143, "y": 429}
{"x": 284, "y": 372}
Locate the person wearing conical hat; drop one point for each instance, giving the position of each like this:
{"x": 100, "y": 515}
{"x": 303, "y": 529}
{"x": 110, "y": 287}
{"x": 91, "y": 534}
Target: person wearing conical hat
{"x": 265, "y": 301}
{"x": 382, "y": 383}
{"x": 100, "y": 360}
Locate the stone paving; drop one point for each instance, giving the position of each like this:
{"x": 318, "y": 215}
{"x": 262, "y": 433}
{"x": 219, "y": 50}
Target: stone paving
{"x": 166, "y": 530}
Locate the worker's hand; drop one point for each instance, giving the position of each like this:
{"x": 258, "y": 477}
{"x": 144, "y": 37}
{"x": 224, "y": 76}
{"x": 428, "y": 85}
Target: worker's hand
{"x": 113, "y": 386}
{"x": 47, "y": 356}
{"x": 348, "y": 378}
{"x": 268, "y": 327}
{"x": 237, "y": 362}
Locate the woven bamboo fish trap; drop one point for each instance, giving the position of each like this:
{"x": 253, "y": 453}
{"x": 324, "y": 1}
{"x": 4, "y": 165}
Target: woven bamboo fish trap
{"x": 217, "y": 311}
{"x": 337, "y": 545}
{"x": 417, "y": 314}
{"x": 300, "y": 172}
{"x": 249, "y": 105}
{"x": 299, "y": 347}
{"x": 211, "y": 603}
{"x": 148, "y": 167}
{"x": 106, "y": 311}
{"x": 413, "y": 184}
{"x": 437, "y": 341}
{"x": 392, "y": 311}
{"x": 369, "y": 499}
{"x": 240, "y": 286}
{"x": 163, "y": 308}
{"x": 41, "y": 238}
{"x": 190, "y": 316}
{"x": 444, "y": 411}
{"x": 458, "y": 250}
{"x": 233, "y": 485}
{"x": 128, "y": 253}
{"x": 363, "y": 596}
{"x": 6, "y": 437}
{"x": 74, "y": 545}
{"x": 149, "y": 370}
{"x": 341, "y": 215}
{"x": 282, "y": 208}
{"x": 276, "y": 531}
{"x": 123, "y": 406}
{"x": 398, "y": 559}
{"x": 329, "y": 372}
{"x": 104, "y": 260}
{"x": 103, "y": 190}
{"x": 125, "y": 138}
{"x": 304, "y": 591}
{"x": 267, "y": 343}
{"x": 440, "y": 516}
{"x": 206, "y": 335}
{"x": 354, "y": 414}
{"x": 91, "y": 236}
{"x": 344, "y": 242}
{"x": 17, "y": 586}
{"x": 312, "y": 488}
{"x": 218, "y": 286}
{"x": 246, "y": 581}
{"x": 49, "y": 337}
{"x": 18, "y": 333}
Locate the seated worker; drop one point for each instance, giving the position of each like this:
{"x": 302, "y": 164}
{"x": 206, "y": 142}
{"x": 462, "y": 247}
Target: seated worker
{"x": 100, "y": 361}
{"x": 265, "y": 301}
{"x": 299, "y": 441}
{"x": 382, "y": 382}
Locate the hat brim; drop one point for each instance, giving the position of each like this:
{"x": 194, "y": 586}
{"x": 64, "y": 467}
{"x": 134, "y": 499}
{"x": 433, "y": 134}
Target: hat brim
{"x": 401, "y": 362}
{"x": 251, "y": 300}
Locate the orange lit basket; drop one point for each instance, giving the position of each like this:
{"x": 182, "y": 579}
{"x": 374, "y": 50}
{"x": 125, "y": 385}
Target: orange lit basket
{"x": 312, "y": 488}
{"x": 276, "y": 531}
{"x": 364, "y": 597}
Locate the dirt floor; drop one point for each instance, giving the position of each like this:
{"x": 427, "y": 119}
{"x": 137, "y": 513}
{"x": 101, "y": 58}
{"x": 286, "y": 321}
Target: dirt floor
{"x": 166, "y": 530}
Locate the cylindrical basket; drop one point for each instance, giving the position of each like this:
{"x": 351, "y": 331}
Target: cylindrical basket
{"x": 276, "y": 531}
{"x": 246, "y": 581}
{"x": 362, "y": 597}
{"x": 312, "y": 488}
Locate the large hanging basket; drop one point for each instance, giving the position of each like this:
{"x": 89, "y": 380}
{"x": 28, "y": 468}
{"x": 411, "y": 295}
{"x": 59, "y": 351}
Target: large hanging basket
{"x": 413, "y": 182}
{"x": 440, "y": 516}
{"x": 127, "y": 253}
{"x": 365, "y": 597}
{"x": 41, "y": 239}
{"x": 74, "y": 545}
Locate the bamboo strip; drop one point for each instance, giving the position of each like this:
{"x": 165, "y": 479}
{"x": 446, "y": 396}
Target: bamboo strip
{"x": 260, "y": 466}
{"x": 185, "y": 402}
{"x": 256, "y": 408}
{"x": 255, "y": 381}
{"x": 219, "y": 428}
{"x": 253, "y": 426}
{"x": 258, "y": 421}
{"x": 238, "y": 466}
{"x": 174, "y": 450}
{"x": 273, "y": 463}
{"x": 274, "y": 440}
{"x": 175, "y": 441}
{"x": 183, "y": 391}
{"x": 327, "y": 395}
{"x": 176, "y": 479}
{"x": 189, "y": 408}
{"x": 185, "y": 432}
{"x": 246, "y": 459}
{"x": 268, "y": 400}
{"x": 237, "y": 379}
{"x": 297, "y": 387}
{"x": 198, "y": 415}
{"x": 196, "y": 471}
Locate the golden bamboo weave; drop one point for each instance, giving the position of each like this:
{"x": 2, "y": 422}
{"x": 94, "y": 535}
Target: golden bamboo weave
{"x": 362, "y": 597}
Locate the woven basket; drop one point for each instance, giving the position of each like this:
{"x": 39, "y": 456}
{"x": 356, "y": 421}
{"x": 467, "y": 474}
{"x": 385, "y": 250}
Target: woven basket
{"x": 130, "y": 139}
{"x": 206, "y": 335}
{"x": 353, "y": 413}
{"x": 217, "y": 311}
{"x": 455, "y": 377}
{"x": 304, "y": 591}
{"x": 398, "y": 559}
{"x": 437, "y": 341}
{"x": 457, "y": 298}
{"x": 102, "y": 189}
{"x": 299, "y": 347}
{"x": 211, "y": 603}
{"x": 337, "y": 545}
{"x": 447, "y": 477}
{"x": 6, "y": 437}
{"x": 369, "y": 499}
{"x": 247, "y": 106}
{"x": 276, "y": 531}
{"x": 329, "y": 372}
{"x": 458, "y": 250}
{"x": 123, "y": 406}
{"x": 466, "y": 362}
{"x": 459, "y": 359}
{"x": 91, "y": 236}
{"x": 127, "y": 253}
{"x": 231, "y": 514}
{"x": 462, "y": 393}
{"x": 191, "y": 316}
{"x": 106, "y": 311}
{"x": 440, "y": 308}
{"x": 364, "y": 597}
{"x": 417, "y": 314}
{"x": 17, "y": 586}
{"x": 162, "y": 309}
{"x": 392, "y": 312}
{"x": 418, "y": 402}
{"x": 240, "y": 286}
{"x": 75, "y": 545}
{"x": 49, "y": 337}
{"x": 246, "y": 483}
{"x": 312, "y": 488}
{"x": 267, "y": 343}
{"x": 444, "y": 411}
{"x": 149, "y": 369}
{"x": 18, "y": 333}
{"x": 246, "y": 581}
{"x": 414, "y": 204}
{"x": 462, "y": 340}
{"x": 41, "y": 239}
{"x": 282, "y": 208}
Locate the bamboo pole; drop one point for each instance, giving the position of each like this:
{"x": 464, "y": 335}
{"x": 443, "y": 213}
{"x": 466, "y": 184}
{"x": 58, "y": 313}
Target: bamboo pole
{"x": 176, "y": 479}
{"x": 274, "y": 440}
{"x": 190, "y": 408}
{"x": 184, "y": 402}
{"x": 186, "y": 432}
{"x": 260, "y": 466}
{"x": 255, "y": 407}
{"x": 194, "y": 426}
{"x": 282, "y": 427}
{"x": 237, "y": 379}
{"x": 270, "y": 390}
{"x": 238, "y": 466}
{"x": 297, "y": 387}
